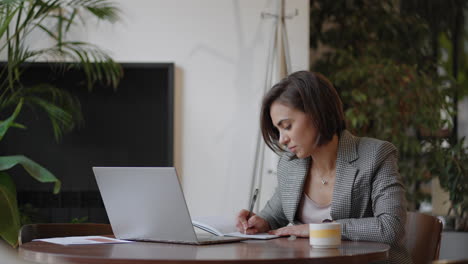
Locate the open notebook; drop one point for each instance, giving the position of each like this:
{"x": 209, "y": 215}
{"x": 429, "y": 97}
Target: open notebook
{"x": 224, "y": 226}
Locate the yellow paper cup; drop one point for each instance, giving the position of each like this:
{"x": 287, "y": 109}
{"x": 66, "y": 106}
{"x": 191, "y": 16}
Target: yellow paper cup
{"x": 325, "y": 235}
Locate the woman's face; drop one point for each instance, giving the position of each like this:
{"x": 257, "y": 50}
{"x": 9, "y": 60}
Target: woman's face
{"x": 296, "y": 130}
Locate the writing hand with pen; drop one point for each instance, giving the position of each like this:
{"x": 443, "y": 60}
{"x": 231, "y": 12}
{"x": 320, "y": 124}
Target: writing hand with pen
{"x": 249, "y": 223}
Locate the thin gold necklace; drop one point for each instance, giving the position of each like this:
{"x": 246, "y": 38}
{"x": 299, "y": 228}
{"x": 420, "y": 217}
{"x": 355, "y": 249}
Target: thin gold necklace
{"x": 324, "y": 181}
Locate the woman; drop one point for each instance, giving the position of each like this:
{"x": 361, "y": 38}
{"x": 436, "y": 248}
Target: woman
{"x": 325, "y": 172}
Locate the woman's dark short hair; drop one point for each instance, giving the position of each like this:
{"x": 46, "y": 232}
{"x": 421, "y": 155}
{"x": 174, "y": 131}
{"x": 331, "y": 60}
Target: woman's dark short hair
{"x": 310, "y": 93}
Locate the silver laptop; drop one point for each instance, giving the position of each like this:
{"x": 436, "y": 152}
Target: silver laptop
{"x": 147, "y": 204}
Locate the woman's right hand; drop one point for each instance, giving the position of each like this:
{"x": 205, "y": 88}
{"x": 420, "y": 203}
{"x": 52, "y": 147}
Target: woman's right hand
{"x": 255, "y": 224}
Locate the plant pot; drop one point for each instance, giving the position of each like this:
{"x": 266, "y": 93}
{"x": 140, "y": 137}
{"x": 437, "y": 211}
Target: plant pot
{"x": 448, "y": 222}
{"x": 461, "y": 224}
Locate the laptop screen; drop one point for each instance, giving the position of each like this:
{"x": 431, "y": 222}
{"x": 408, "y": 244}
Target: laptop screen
{"x": 145, "y": 203}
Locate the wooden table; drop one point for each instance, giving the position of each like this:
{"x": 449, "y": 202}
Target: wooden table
{"x": 281, "y": 250}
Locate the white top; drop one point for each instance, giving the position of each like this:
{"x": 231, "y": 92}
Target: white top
{"x": 309, "y": 212}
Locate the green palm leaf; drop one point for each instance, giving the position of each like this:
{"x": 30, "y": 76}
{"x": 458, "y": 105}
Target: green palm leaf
{"x": 102, "y": 9}
{"x": 9, "y": 222}
{"x": 9, "y": 122}
{"x": 5, "y": 20}
{"x": 62, "y": 108}
{"x": 97, "y": 65}
{"x": 36, "y": 171}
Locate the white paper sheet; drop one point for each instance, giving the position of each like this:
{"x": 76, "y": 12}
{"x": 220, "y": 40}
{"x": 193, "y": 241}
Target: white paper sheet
{"x": 256, "y": 236}
{"x": 83, "y": 240}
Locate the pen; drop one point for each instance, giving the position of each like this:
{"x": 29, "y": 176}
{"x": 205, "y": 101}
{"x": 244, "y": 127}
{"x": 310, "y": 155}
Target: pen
{"x": 252, "y": 203}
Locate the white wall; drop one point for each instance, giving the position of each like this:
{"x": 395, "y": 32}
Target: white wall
{"x": 219, "y": 48}
{"x": 220, "y": 51}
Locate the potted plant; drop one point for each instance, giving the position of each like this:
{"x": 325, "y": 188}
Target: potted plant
{"x": 384, "y": 58}
{"x": 450, "y": 165}
{"x": 10, "y": 221}
{"x": 54, "y": 19}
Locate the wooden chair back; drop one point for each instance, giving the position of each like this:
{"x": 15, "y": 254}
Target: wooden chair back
{"x": 423, "y": 235}
{"x": 35, "y": 231}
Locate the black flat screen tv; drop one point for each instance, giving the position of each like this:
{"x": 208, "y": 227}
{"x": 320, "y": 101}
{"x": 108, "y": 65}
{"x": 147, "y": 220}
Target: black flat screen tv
{"x": 129, "y": 126}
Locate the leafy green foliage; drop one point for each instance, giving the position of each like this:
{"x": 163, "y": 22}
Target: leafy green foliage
{"x": 451, "y": 166}
{"x": 29, "y": 214}
{"x": 78, "y": 220}
{"x": 380, "y": 56}
{"x": 37, "y": 172}
{"x": 9, "y": 122}
{"x": 9, "y": 222}
{"x": 53, "y": 19}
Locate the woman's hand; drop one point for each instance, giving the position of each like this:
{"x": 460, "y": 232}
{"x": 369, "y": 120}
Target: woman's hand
{"x": 297, "y": 230}
{"x": 255, "y": 224}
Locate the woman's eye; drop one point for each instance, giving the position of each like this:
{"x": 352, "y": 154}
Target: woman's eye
{"x": 288, "y": 127}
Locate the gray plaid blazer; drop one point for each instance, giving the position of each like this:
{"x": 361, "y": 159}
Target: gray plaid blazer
{"x": 368, "y": 196}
